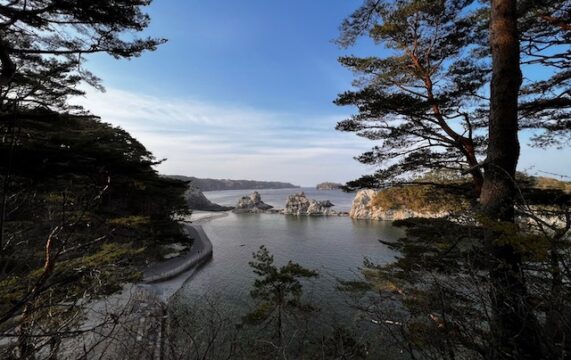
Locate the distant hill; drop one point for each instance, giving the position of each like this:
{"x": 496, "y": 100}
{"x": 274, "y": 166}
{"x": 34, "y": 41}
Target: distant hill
{"x": 328, "y": 186}
{"x": 225, "y": 184}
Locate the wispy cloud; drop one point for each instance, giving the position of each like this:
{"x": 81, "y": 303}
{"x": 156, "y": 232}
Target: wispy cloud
{"x": 232, "y": 141}
{"x": 208, "y": 139}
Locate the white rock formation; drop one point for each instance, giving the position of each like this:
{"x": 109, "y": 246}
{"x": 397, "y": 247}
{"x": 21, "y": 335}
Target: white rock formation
{"x": 251, "y": 204}
{"x": 361, "y": 208}
{"x": 299, "y": 204}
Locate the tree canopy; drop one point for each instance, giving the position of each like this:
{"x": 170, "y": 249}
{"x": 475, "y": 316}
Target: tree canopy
{"x": 82, "y": 207}
{"x": 426, "y": 102}
{"x": 44, "y": 44}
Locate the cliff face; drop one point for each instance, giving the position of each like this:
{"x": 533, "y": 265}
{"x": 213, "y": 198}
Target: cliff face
{"x": 251, "y": 204}
{"x": 299, "y": 204}
{"x": 362, "y": 209}
{"x": 197, "y": 201}
{"x": 224, "y": 184}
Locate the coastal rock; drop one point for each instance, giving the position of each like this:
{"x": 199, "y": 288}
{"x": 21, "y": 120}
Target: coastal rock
{"x": 197, "y": 201}
{"x": 362, "y": 209}
{"x": 299, "y": 204}
{"x": 251, "y": 204}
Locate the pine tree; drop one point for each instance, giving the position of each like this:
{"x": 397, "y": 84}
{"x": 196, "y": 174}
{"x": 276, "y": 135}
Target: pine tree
{"x": 418, "y": 102}
{"x": 278, "y": 291}
{"x": 426, "y": 102}
{"x": 44, "y": 44}
{"x": 489, "y": 287}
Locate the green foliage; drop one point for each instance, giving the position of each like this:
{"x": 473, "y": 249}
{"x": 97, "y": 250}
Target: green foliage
{"x": 278, "y": 290}
{"x": 438, "y": 292}
{"x": 425, "y": 102}
{"x": 77, "y": 194}
{"x": 97, "y": 186}
{"x": 101, "y": 272}
{"x": 97, "y": 175}
{"x": 342, "y": 344}
{"x": 419, "y": 198}
{"x": 531, "y": 244}
{"x": 44, "y": 44}
{"x": 130, "y": 221}
{"x": 412, "y": 101}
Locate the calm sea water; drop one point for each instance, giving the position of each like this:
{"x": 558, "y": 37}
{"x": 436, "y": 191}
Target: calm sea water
{"x": 278, "y": 197}
{"x": 335, "y": 246}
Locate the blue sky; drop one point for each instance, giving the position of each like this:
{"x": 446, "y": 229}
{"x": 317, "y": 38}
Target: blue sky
{"x": 244, "y": 89}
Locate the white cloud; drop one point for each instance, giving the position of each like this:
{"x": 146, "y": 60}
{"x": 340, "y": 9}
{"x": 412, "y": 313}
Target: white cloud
{"x": 230, "y": 141}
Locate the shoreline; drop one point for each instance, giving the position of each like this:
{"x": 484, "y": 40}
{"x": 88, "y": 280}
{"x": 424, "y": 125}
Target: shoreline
{"x": 167, "y": 277}
{"x": 136, "y": 318}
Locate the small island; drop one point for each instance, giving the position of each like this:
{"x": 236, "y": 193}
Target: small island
{"x": 328, "y": 186}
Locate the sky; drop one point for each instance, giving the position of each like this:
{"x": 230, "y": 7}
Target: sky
{"x": 245, "y": 90}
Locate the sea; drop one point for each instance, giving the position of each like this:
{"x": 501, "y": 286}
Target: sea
{"x": 278, "y": 197}
{"x": 335, "y": 246}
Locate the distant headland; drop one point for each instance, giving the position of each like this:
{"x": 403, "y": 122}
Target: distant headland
{"x": 328, "y": 186}
{"x": 226, "y": 184}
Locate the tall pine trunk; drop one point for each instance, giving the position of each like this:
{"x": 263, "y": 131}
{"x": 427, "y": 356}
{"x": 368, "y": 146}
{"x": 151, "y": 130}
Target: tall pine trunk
{"x": 515, "y": 326}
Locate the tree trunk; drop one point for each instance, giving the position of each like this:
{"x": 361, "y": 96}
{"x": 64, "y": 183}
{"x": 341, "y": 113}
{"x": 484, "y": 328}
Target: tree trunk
{"x": 515, "y": 326}
{"x": 475, "y": 172}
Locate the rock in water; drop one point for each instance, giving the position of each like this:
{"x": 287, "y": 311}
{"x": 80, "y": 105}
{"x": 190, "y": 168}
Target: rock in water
{"x": 251, "y": 204}
{"x": 299, "y": 204}
{"x": 197, "y": 201}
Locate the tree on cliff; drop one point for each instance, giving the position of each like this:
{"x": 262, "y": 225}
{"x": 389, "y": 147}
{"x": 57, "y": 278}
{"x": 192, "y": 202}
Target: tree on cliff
{"x": 426, "y": 102}
{"x": 483, "y": 286}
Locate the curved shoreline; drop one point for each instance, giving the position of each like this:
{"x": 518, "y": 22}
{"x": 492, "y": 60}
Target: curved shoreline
{"x": 200, "y": 253}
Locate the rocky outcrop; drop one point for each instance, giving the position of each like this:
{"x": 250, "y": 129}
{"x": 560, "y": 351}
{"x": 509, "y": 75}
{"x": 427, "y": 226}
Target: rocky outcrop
{"x": 362, "y": 209}
{"x": 328, "y": 186}
{"x": 252, "y": 204}
{"x": 299, "y": 204}
{"x": 197, "y": 201}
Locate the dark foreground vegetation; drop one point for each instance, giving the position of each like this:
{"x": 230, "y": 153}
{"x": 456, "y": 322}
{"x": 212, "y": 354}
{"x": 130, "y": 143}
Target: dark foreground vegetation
{"x": 82, "y": 208}
{"x": 462, "y": 79}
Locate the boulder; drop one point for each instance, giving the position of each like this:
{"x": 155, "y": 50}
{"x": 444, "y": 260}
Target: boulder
{"x": 299, "y": 204}
{"x": 252, "y": 204}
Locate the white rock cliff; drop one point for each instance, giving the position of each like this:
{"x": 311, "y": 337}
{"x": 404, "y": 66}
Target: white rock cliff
{"x": 251, "y": 204}
{"x": 299, "y": 204}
